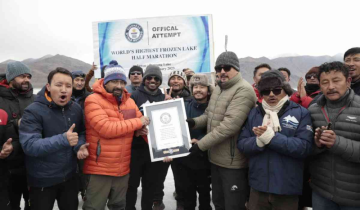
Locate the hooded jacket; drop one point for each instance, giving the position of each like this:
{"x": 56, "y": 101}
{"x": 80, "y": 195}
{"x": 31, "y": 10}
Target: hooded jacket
{"x": 356, "y": 87}
{"x": 14, "y": 103}
{"x": 50, "y": 159}
{"x": 185, "y": 93}
{"x": 80, "y": 98}
{"x": 228, "y": 108}
{"x": 278, "y": 167}
{"x": 109, "y": 130}
{"x": 335, "y": 172}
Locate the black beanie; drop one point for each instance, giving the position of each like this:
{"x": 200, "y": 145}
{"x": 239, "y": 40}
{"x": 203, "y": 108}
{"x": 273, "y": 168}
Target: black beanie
{"x": 136, "y": 68}
{"x": 271, "y": 79}
{"x": 152, "y": 70}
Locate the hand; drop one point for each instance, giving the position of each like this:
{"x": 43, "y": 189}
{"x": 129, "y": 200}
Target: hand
{"x": 167, "y": 160}
{"x": 317, "y": 135}
{"x": 194, "y": 141}
{"x": 302, "y": 91}
{"x": 145, "y": 120}
{"x": 72, "y": 136}
{"x": 142, "y": 132}
{"x": 83, "y": 151}
{"x": 6, "y": 149}
{"x": 93, "y": 67}
{"x": 191, "y": 122}
{"x": 328, "y": 138}
{"x": 168, "y": 95}
{"x": 259, "y": 130}
{"x": 299, "y": 85}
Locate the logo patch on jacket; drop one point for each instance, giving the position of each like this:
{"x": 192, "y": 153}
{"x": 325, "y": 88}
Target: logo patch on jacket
{"x": 351, "y": 119}
{"x": 290, "y": 122}
{"x": 309, "y": 128}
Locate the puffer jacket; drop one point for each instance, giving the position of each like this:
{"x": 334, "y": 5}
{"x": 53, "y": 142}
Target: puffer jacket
{"x": 278, "y": 167}
{"x": 14, "y": 103}
{"x": 50, "y": 159}
{"x": 3, "y": 168}
{"x": 109, "y": 130}
{"x": 228, "y": 108}
{"x": 335, "y": 172}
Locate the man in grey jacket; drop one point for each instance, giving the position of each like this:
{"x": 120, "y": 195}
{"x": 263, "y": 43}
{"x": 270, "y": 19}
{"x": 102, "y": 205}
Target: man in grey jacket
{"x": 335, "y": 167}
{"x": 226, "y": 113}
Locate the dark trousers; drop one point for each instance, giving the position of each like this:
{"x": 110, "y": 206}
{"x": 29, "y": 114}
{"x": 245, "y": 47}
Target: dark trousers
{"x": 18, "y": 188}
{"x": 65, "y": 193}
{"x": 192, "y": 181}
{"x": 4, "y": 198}
{"x": 152, "y": 175}
{"x": 321, "y": 203}
{"x": 230, "y": 188}
{"x": 269, "y": 201}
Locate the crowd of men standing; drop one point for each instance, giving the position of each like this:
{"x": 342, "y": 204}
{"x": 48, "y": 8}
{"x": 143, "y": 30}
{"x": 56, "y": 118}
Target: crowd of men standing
{"x": 260, "y": 146}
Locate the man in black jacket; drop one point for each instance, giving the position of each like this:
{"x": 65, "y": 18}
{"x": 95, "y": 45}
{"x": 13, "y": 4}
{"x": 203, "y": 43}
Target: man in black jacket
{"x": 16, "y": 93}
{"x": 334, "y": 167}
{"x": 352, "y": 60}
{"x": 151, "y": 174}
{"x": 79, "y": 93}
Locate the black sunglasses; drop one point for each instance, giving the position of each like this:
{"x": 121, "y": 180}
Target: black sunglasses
{"x": 310, "y": 75}
{"x": 225, "y": 67}
{"x": 135, "y": 73}
{"x": 151, "y": 78}
{"x": 276, "y": 92}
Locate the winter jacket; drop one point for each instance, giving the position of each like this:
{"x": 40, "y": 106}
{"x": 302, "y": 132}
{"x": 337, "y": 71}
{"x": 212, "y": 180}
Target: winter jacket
{"x": 278, "y": 167}
{"x": 229, "y": 105}
{"x": 335, "y": 172}
{"x": 109, "y": 130}
{"x": 3, "y": 167}
{"x": 194, "y": 109}
{"x": 80, "y": 99}
{"x": 356, "y": 87}
{"x": 140, "y": 96}
{"x": 304, "y": 101}
{"x": 131, "y": 89}
{"x": 50, "y": 159}
{"x": 185, "y": 93}
{"x": 14, "y": 103}
{"x": 259, "y": 98}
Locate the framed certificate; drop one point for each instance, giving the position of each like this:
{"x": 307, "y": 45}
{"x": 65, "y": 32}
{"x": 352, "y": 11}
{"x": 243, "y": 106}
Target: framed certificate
{"x": 168, "y": 130}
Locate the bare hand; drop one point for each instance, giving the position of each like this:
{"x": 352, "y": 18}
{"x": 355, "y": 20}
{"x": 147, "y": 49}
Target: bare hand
{"x": 167, "y": 160}
{"x": 93, "y": 67}
{"x": 142, "y": 132}
{"x": 83, "y": 151}
{"x": 6, "y": 149}
{"x": 145, "y": 120}
{"x": 328, "y": 138}
{"x": 302, "y": 91}
{"x": 259, "y": 130}
{"x": 194, "y": 141}
{"x": 72, "y": 136}
{"x": 168, "y": 95}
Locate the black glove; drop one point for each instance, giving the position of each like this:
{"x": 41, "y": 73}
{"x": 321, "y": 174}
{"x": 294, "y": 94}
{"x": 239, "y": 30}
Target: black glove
{"x": 190, "y": 122}
{"x": 195, "y": 150}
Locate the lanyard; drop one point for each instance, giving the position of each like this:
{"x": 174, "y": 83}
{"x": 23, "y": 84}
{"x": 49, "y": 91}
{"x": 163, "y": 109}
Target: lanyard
{"x": 327, "y": 117}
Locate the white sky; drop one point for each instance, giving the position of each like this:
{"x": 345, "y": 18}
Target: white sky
{"x": 271, "y": 28}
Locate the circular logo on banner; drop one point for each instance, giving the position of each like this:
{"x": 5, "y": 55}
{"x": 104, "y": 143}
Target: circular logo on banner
{"x": 134, "y": 33}
{"x": 171, "y": 151}
{"x": 165, "y": 118}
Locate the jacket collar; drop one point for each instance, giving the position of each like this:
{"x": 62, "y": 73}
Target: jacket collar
{"x": 44, "y": 97}
{"x": 142, "y": 89}
{"x": 99, "y": 88}
{"x": 8, "y": 92}
{"x": 231, "y": 82}
{"x": 322, "y": 99}
{"x": 194, "y": 103}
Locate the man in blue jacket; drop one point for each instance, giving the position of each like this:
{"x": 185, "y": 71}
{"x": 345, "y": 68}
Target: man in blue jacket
{"x": 52, "y": 134}
{"x": 276, "y": 138}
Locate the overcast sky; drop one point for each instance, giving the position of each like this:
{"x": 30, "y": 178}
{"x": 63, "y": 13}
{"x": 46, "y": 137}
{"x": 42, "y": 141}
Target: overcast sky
{"x": 271, "y": 28}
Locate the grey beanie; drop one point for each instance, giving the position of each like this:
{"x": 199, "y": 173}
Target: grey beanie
{"x": 152, "y": 70}
{"x": 228, "y": 58}
{"x": 16, "y": 68}
{"x": 271, "y": 79}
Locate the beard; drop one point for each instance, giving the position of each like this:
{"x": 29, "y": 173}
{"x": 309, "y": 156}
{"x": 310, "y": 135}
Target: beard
{"x": 19, "y": 86}
{"x": 117, "y": 92}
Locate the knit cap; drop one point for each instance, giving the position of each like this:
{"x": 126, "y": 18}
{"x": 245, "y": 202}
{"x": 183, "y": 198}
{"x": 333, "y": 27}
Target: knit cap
{"x": 228, "y": 58}
{"x": 114, "y": 72}
{"x": 136, "y": 68}
{"x": 177, "y": 73}
{"x": 75, "y": 74}
{"x": 152, "y": 70}
{"x": 271, "y": 79}
{"x": 16, "y": 68}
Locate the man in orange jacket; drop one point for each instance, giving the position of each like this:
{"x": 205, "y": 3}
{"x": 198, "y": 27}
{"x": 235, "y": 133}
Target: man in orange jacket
{"x": 111, "y": 117}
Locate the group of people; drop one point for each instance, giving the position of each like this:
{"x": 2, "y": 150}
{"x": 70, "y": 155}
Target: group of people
{"x": 260, "y": 146}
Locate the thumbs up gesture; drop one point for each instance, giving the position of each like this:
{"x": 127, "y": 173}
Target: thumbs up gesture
{"x": 6, "y": 149}
{"x": 83, "y": 151}
{"x": 72, "y": 136}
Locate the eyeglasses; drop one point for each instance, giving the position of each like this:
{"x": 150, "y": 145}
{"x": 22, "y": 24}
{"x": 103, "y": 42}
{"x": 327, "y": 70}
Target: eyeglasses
{"x": 310, "y": 75}
{"x": 151, "y": 78}
{"x": 276, "y": 92}
{"x": 225, "y": 67}
{"x": 135, "y": 73}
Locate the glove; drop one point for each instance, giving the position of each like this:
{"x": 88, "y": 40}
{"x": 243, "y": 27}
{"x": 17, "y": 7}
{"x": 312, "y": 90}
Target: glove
{"x": 195, "y": 150}
{"x": 190, "y": 122}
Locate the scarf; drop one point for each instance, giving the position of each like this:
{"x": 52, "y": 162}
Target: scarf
{"x": 311, "y": 88}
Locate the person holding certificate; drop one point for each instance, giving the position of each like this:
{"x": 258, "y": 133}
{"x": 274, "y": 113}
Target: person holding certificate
{"x": 228, "y": 109}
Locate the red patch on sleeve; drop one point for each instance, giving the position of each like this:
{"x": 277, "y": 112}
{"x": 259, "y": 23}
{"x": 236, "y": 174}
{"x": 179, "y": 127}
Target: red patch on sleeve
{"x": 3, "y": 117}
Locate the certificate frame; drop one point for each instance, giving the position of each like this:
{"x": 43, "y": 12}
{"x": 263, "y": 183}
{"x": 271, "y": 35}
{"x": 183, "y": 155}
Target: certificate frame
{"x": 169, "y": 134}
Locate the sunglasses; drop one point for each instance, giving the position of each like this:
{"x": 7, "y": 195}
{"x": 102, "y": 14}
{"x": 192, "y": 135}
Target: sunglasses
{"x": 151, "y": 78}
{"x": 225, "y": 67}
{"x": 276, "y": 92}
{"x": 310, "y": 75}
{"x": 135, "y": 73}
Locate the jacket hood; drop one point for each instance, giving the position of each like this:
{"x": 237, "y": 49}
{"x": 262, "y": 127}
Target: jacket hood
{"x": 7, "y": 92}
{"x": 231, "y": 82}
{"x": 99, "y": 88}
{"x": 322, "y": 99}
{"x": 194, "y": 103}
